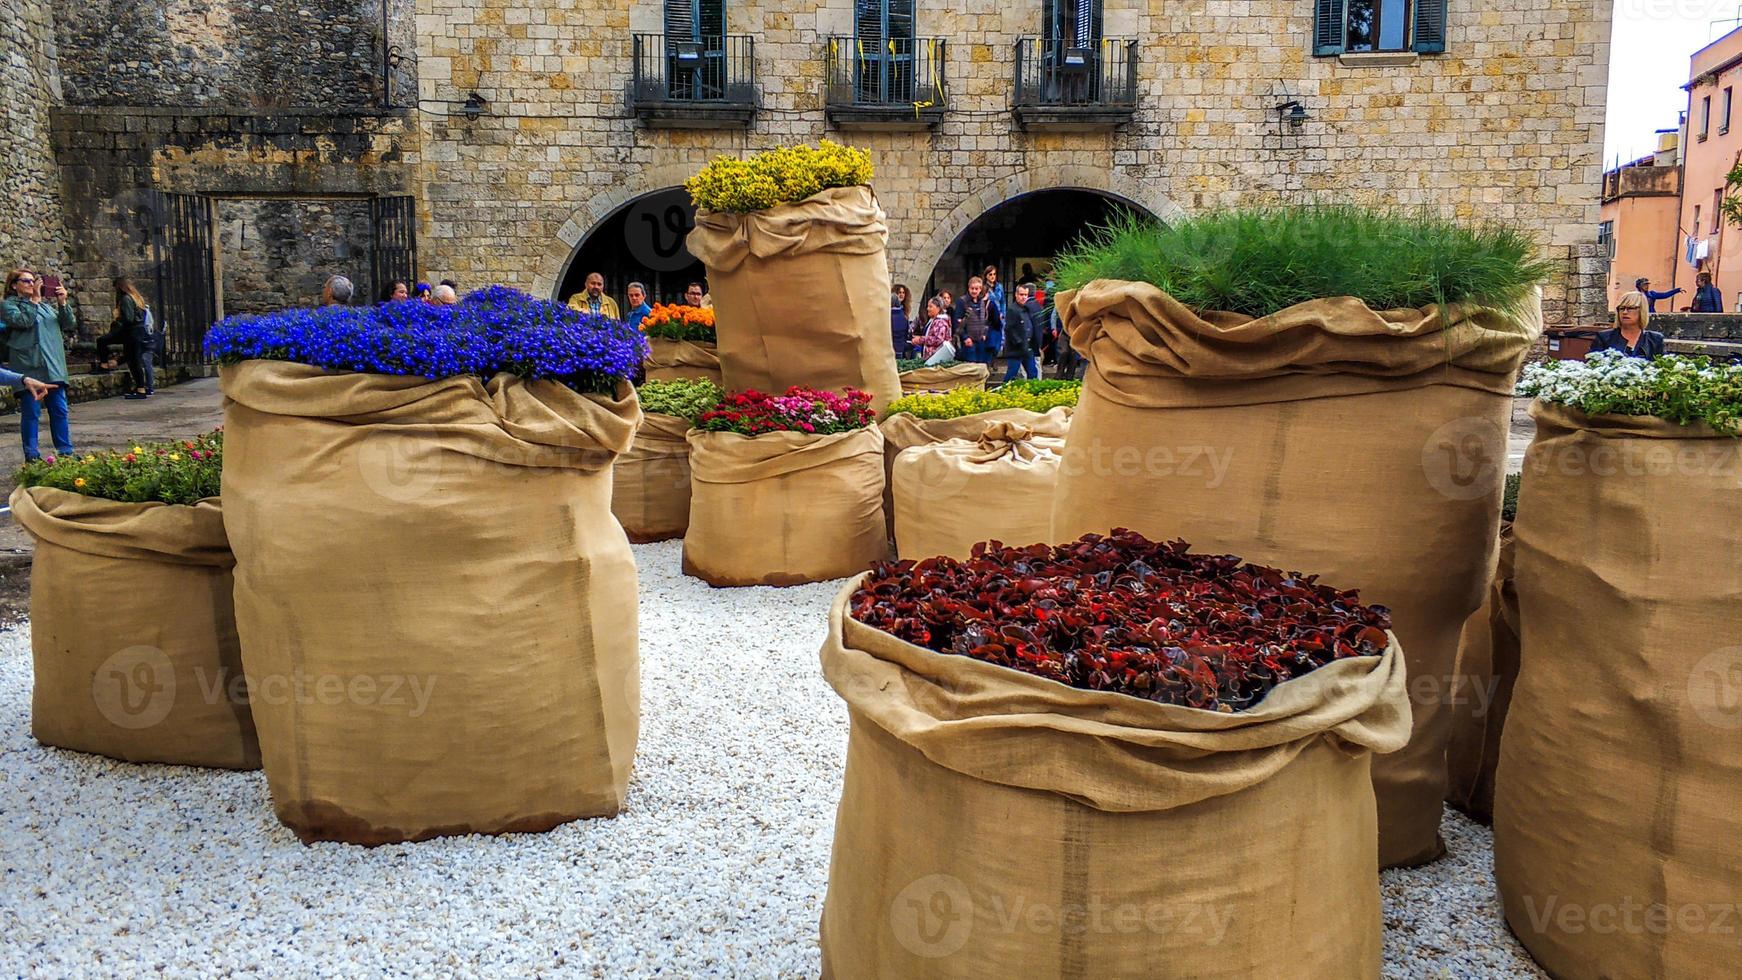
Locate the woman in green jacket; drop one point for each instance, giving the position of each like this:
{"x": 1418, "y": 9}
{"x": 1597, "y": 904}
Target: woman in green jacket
{"x": 36, "y": 346}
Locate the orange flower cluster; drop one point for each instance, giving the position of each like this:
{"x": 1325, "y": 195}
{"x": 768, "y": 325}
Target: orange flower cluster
{"x": 673, "y": 321}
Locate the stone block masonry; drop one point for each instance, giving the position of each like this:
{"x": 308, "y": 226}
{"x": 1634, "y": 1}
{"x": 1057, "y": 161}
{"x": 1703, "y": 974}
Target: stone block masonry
{"x": 30, "y": 197}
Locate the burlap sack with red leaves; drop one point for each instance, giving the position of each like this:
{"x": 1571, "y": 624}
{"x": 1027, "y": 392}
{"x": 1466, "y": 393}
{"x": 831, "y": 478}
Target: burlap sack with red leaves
{"x": 650, "y": 484}
{"x": 952, "y": 495}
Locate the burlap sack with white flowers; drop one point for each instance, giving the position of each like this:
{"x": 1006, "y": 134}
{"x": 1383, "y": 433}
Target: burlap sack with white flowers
{"x": 1618, "y": 801}
{"x": 945, "y": 378}
{"x": 994, "y": 824}
{"x": 952, "y": 495}
{"x": 672, "y": 360}
{"x": 437, "y": 609}
{"x": 1368, "y": 446}
{"x": 801, "y": 294}
{"x": 132, "y": 631}
{"x": 650, "y": 484}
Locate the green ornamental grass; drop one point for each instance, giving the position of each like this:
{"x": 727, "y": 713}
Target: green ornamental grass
{"x": 1257, "y": 261}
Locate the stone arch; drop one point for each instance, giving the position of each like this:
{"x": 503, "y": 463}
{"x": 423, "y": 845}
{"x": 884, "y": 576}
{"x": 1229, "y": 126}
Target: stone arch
{"x": 1118, "y": 187}
{"x": 554, "y": 263}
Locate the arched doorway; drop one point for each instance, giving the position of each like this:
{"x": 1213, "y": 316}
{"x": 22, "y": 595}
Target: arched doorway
{"x": 641, "y": 241}
{"x": 1022, "y": 234}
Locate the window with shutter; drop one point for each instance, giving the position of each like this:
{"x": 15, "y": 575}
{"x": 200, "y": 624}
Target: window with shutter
{"x": 1328, "y": 27}
{"x": 884, "y": 33}
{"x": 1430, "y": 26}
{"x": 1076, "y": 23}
{"x": 1368, "y": 26}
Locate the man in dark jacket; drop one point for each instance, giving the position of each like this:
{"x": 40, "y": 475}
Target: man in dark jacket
{"x": 1023, "y": 336}
{"x": 1707, "y": 299}
{"x": 979, "y": 324}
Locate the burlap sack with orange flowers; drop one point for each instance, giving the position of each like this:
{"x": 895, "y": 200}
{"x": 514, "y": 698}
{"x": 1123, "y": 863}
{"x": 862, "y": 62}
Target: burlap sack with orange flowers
{"x": 801, "y": 292}
{"x": 995, "y": 824}
{"x": 1368, "y": 446}
{"x": 672, "y": 360}
{"x": 952, "y": 495}
{"x": 437, "y": 609}
{"x": 132, "y": 631}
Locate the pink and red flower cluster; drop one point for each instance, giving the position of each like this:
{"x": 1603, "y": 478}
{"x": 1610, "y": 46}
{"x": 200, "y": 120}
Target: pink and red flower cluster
{"x": 801, "y": 409}
{"x": 1126, "y": 615}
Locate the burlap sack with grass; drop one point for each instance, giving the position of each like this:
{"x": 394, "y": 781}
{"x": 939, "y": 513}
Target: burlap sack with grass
{"x": 1616, "y": 805}
{"x": 132, "y": 632}
{"x": 994, "y": 824}
{"x": 946, "y": 378}
{"x": 436, "y": 564}
{"x": 801, "y": 294}
{"x": 672, "y": 360}
{"x": 1487, "y": 670}
{"x": 784, "y": 508}
{"x": 650, "y": 484}
{"x": 1366, "y": 445}
{"x": 902, "y": 432}
{"x": 953, "y": 494}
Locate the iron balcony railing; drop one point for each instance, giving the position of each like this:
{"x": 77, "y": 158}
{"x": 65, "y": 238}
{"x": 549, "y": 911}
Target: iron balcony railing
{"x": 709, "y": 69}
{"x": 1052, "y": 72}
{"x": 899, "y": 72}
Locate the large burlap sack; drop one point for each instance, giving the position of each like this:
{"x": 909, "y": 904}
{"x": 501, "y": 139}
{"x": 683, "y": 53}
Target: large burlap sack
{"x": 650, "y": 484}
{"x": 994, "y": 824}
{"x": 902, "y": 432}
{"x": 801, "y": 294}
{"x": 132, "y": 632}
{"x": 1487, "y": 669}
{"x": 1618, "y": 804}
{"x": 671, "y": 360}
{"x": 437, "y": 609}
{"x": 952, "y": 495}
{"x": 784, "y": 508}
{"x": 1367, "y": 446}
{"x": 946, "y": 378}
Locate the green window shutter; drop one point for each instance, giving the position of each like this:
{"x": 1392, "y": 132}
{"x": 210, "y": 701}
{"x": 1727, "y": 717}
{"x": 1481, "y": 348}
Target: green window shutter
{"x": 1328, "y": 27}
{"x": 1430, "y": 26}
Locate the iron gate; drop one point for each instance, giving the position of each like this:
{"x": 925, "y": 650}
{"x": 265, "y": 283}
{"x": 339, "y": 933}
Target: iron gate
{"x": 393, "y": 252}
{"x": 187, "y": 295}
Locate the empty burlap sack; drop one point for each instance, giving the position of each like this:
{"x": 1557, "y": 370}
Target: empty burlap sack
{"x": 1368, "y": 446}
{"x": 801, "y": 294}
{"x": 994, "y": 824}
{"x": 902, "y": 432}
{"x": 958, "y": 375}
{"x": 1487, "y": 670}
{"x": 784, "y": 508}
{"x": 650, "y": 484}
{"x": 437, "y": 609}
{"x": 671, "y": 360}
{"x": 951, "y": 495}
{"x": 1618, "y": 803}
{"x": 132, "y": 633}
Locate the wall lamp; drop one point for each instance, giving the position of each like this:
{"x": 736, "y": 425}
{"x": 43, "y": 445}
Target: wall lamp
{"x": 474, "y": 106}
{"x": 1294, "y": 113}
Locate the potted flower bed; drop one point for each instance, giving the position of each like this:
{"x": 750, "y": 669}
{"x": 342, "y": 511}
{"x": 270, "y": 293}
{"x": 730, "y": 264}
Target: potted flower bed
{"x": 785, "y": 489}
{"x": 1618, "y": 782}
{"x": 681, "y": 343}
{"x": 796, "y": 251}
{"x": 132, "y": 632}
{"x": 954, "y": 494}
{"x": 1328, "y": 386}
{"x": 428, "y": 575}
{"x": 918, "y": 376}
{"x": 1487, "y": 670}
{"x": 1108, "y": 724}
{"x": 650, "y": 485}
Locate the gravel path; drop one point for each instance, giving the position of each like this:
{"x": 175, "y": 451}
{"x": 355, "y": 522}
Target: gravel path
{"x": 716, "y": 868}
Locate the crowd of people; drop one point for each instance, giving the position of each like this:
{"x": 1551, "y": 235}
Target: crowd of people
{"x": 593, "y": 299}
{"x": 983, "y": 325}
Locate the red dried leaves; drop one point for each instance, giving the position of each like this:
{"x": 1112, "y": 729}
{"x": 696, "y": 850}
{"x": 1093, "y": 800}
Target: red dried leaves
{"x": 1127, "y": 615}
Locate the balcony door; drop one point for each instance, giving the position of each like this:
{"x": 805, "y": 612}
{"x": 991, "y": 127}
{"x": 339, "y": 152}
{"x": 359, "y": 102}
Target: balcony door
{"x": 1071, "y": 50}
{"x": 695, "y": 49}
{"x": 884, "y": 40}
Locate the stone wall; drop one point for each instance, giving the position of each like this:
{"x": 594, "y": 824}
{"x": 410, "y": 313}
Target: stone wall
{"x": 30, "y": 198}
{"x": 1507, "y": 125}
{"x": 277, "y": 253}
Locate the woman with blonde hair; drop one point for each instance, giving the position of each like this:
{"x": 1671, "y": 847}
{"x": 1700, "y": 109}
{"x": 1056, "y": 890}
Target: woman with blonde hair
{"x": 133, "y": 323}
{"x": 1629, "y": 335}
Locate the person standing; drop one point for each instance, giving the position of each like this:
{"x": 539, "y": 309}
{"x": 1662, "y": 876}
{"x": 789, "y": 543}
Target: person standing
{"x": 133, "y": 323}
{"x": 695, "y": 294}
{"x": 938, "y": 330}
{"x": 443, "y": 295}
{"x": 396, "y": 290}
{"x": 1630, "y": 335}
{"x": 638, "y": 308}
{"x": 994, "y": 288}
{"x": 900, "y": 319}
{"x": 979, "y": 324}
{"x": 1023, "y": 336}
{"x": 337, "y": 292}
{"x": 1642, "y": 286}
{"x": 593, "y": 298}
{"x": 1069, "y": 361}
{"x": 36, "y": 332}
{"x": 1707, "y": 298}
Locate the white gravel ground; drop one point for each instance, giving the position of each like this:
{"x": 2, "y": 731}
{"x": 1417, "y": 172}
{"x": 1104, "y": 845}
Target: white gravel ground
{"x": 717, "y": 866}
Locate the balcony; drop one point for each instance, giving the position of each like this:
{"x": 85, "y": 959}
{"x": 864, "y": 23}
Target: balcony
{"x": 884, "y": 85}
{"x": 684, "y": 83}
{"x": 1064, "y": 88}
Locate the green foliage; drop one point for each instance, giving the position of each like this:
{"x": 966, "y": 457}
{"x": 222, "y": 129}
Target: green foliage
{"x": 1683, "y": 390}
{"x": 1260, "y": 260}
{"x": 972, "y": 401}
{"x": 906, "y": 364}
{"x": 684, "y": 398}
{"x": 1509, "y": 502}
{"x": 1039, "y": 386}
{"x": 183, "y": 472}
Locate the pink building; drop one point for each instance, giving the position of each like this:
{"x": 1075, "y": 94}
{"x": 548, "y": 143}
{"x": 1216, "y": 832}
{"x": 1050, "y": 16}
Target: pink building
{"x": 1712, "y": 149}
{"x": 1641, "y": 207}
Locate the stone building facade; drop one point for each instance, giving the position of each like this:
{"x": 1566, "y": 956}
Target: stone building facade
{"x": 30, "y": 187}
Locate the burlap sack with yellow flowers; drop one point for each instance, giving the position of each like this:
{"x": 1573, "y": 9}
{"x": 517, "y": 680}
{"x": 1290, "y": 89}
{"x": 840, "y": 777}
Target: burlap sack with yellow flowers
{"x": 437, "y": 609}
{"x": 132, "y": 631}
{"x": 995, "y": 824}
{"x": 951, "y": 495}
{"x": 1368, "y": 446}
{"x": 650, "y": 484}
{"x": 801, "y": 292}
{"x": 946, "y": 378}
{"x": 672, "y": 360}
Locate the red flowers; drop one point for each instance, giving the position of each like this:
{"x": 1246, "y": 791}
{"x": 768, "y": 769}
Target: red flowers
{"x": 1126, "y": 615}
{"x": 801, "y": 409}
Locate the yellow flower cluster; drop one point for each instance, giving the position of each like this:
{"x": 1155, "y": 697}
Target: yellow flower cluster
{"x": 972, "y": 401}
{"x": 778, "y": 176}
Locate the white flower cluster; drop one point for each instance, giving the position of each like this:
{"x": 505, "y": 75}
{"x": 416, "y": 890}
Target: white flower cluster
{"x": 1680, "y": 389}
{"x": 1606, "y": 374}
